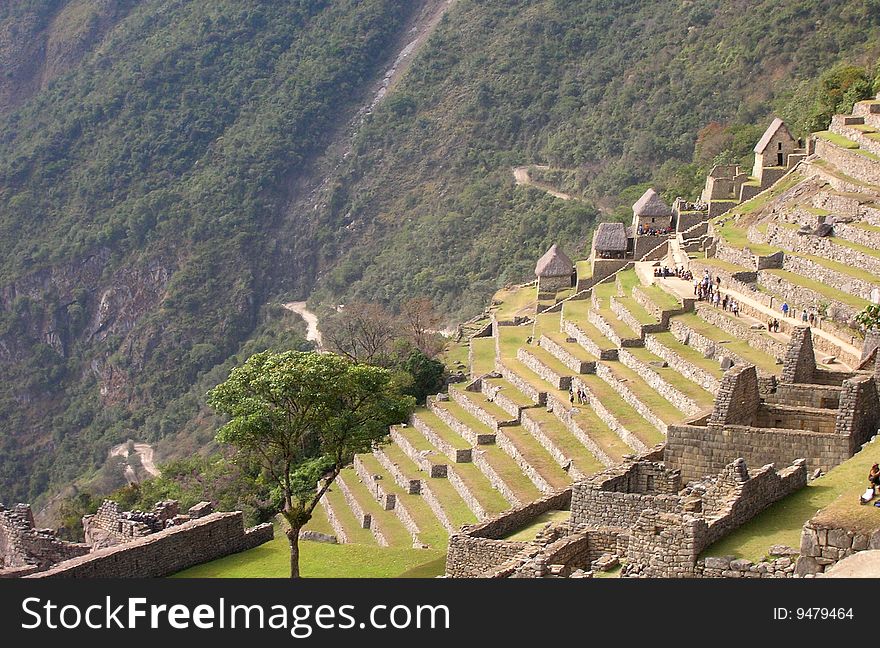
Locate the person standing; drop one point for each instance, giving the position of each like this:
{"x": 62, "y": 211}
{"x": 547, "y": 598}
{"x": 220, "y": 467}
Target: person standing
{"x": 785, "y": 309}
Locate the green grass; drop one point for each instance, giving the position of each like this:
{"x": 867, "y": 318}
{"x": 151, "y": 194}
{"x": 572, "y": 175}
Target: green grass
{"x": 320, "y": 560}
{"x": 662, "y": 299}
{"x": 837, "y": 173}
{"x": 639, "y": 312}
{"x": 537, "y": 456}
{"x": 530, "y": 531}
{"x": 563, "y": 439}
{"x": 759, "y": 201}
{"x": 465, "y": 417}
{"x": 572, "y": 348}
{"x": 690, "y": 389}
{"x": 691, "y": 355}
{"x": 837, "y": 140}
{"x": 511, "y": 474}
{"x": 817, "y": 286}
{"x": 837, "y": 493}
{"x": 602, "y": 435}
{"x": 584, "y": 269}
{"x": 487, "y": 495}
{"x": 737, "y": 237}
{"x": 511, "y": 392}
{"x": 441, "y": 430}
{"x": 866, "y": 226}
{"x": 658, "y": 405}
{"x": 515, "y": 301}
{"x": 625, "y": 413}
{"x": 721, "y": 264}
{"x": 511, "y": 338}
{"x": 550, "y": 361}
{"x": 479, "y": 399}
{"x": 628, "y": 279}
{"x": 760, "y": 359}
{"x": 483, "y": 355}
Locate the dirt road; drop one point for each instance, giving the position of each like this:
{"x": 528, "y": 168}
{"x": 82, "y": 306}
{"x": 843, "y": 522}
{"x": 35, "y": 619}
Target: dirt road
{"x": 313, "y": 334}
{"x": 146, "y": 454}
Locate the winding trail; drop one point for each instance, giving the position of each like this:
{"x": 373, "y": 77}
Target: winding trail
{"x": 522, "y": 177}
{"x": 146, "y": 454}
{"x": 313, "y": 333}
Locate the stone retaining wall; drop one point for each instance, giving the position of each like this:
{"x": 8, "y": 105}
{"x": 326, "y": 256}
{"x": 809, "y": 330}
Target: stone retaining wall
{"x": 333, "y": 519}
{"x": 386, "y": 500}
{"x": 509, "y": 447}
{"x": 167, "y": 552}
{"x": 572, "y": 329}
{"x": 789, "y": 239}
{"x": 709, "y": 348}
{"x": 525, "y": 387}
{"x": 465, "y": 493}
{"x": 496, "y": 394}
{"x": 480, "y": 461}
{"x": 632, "y": 399}
{"x": 606, "y": 329}
{"x": 741, "y": 331}
{"x": 678, "y": 399}
{"x": 619, "y": 309}
{"x": 458, "y": 455}
{"x": 465, "y": 431}
{"x": 807, "y": 298}
{"x": 608, "y": 418}
{"x": 564, "y": 414}
{"x": 855, "y": 165}
{"x": 824, "y": 544}
{"x": 429, "y": 464}
{"x": 729, "y": 567}
{"x": 559, "y": 381}
{"x": 364, "y": 519}
{"x": 841, "y": 281}
{"x": 410, "y": 486}
{"x": 690, "y": 371}
{"x": 565, "y": 357}
{"x": 533, "y": 427}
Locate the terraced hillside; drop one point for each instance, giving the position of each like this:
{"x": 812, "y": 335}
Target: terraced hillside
{"x": 564, "y": 387}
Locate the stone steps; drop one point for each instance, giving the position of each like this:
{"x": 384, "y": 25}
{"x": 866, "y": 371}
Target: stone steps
{"x": 533, "y": 459}
{"x": 560, "y": 443}
{"x": 471, "y": 429}
{"x": 445, "y": 502}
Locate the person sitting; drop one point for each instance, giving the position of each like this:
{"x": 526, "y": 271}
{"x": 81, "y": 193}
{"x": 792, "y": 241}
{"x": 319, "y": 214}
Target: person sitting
{"x": 874, "y": 476}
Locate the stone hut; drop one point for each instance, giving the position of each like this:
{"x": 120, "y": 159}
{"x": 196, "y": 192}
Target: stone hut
{"x": 774, "y": 147}
{"x": 650, "y": 212}
{"x": 611, "y": 241}
{"x": 554, "y": 270}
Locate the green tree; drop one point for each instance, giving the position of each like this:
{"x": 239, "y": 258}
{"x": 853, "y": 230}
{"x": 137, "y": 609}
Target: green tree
{"x": 305, "y": 416}
{"x": 869, "y": 318}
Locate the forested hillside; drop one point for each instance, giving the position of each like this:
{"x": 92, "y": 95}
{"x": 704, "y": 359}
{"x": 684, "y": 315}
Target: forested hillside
{"x": 170, "y": 167}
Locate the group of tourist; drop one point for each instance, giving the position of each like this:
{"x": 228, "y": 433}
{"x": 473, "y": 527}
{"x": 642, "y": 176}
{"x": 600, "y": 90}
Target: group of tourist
{"x": 773, "y": 325}
{"x": 810, "y": 317}
{"x": 665, "y": 272}
{"x": 578, "y": 394}
{"x": 650, "y": 230}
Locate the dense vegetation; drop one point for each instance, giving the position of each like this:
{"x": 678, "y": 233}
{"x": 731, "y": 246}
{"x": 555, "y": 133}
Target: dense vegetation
{"x": 149, "y": 185}
{"x": 615, "y": 93}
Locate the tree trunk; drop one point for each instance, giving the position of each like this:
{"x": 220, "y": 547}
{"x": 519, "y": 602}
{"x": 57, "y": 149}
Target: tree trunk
{"x": 293, "y": 540}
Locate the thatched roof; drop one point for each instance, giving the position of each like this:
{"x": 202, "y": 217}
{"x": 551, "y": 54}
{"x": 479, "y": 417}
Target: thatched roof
{"x": 775, "y": 126}
{"x": 554, "y": 263}
{"x": 610, "y": 237}
{"x": 651, "y": 204}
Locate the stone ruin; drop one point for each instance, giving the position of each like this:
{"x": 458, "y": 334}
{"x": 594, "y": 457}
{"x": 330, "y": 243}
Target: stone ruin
{"x": 24, "y": 549}
{"x": 816, "y": 414}
{"x": 635, "y": 513}
{"x": 124, "y": 543}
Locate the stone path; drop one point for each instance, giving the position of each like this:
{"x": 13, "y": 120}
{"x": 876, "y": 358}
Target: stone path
{"x": 313, "y": 334}
{"x": 522, "y": 177}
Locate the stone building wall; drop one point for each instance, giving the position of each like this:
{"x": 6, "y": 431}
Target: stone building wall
{"x": 738, "y": 399}
{"x": 824, "y": 544}
{"x": 167, "y": 552}
{"x": 24, "y": 548}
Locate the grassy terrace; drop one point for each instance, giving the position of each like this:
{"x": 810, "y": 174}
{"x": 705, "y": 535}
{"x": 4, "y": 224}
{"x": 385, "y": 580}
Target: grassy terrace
{"x": 479, "y": 399}
{"x": 537, "y": 456}
{"x": 578, "y": 315}
{"x": 530, "y": 531}
{"x": 843, "y": 142}
{"x": 465, "y": 417}
{"x": 639, "y": 312}
{"x": 321, "y": 560}
{"x": 483, "y": 355}
{"x": 658, "y": 405}
{"x": 661, "y": 298}
{"x": 431, "y": 531}
{"x": 549, "y": 360}
{"x": 562, "y": 438}
{"x": 319, "y": 522}
{"x": 821, "y": 288}
{"x": 759, "y": 201}
{"x": 353, "y": 529}
{"x": 510, "y": 473}
{"x": 600, "y": 433}
{"x": 603, "y": 293}
{"x": 623, "y": 411}
{"x": 584, "y": 269}
{"x": 515, "y": 301}
{"x": 689, "y": 354}
{"x": 721, "y": 264}
{"x": 758, "y": 358}
{"x": 441, "y": 430}
{"x": 490, "y": 499}
{"x": 866, "y": 226}
{"x": 690, "y": 389}
{"x": 738, "y": 237}
{"x": 511, "y": 338}
{"x": 511, "y": 392}
{"x": 573, "y": 348}
{"x": 454, "y": 507}
{"x": 389, "y": 524}
{"x": 836, "y": 493}
{"x": 830, "y": 169}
